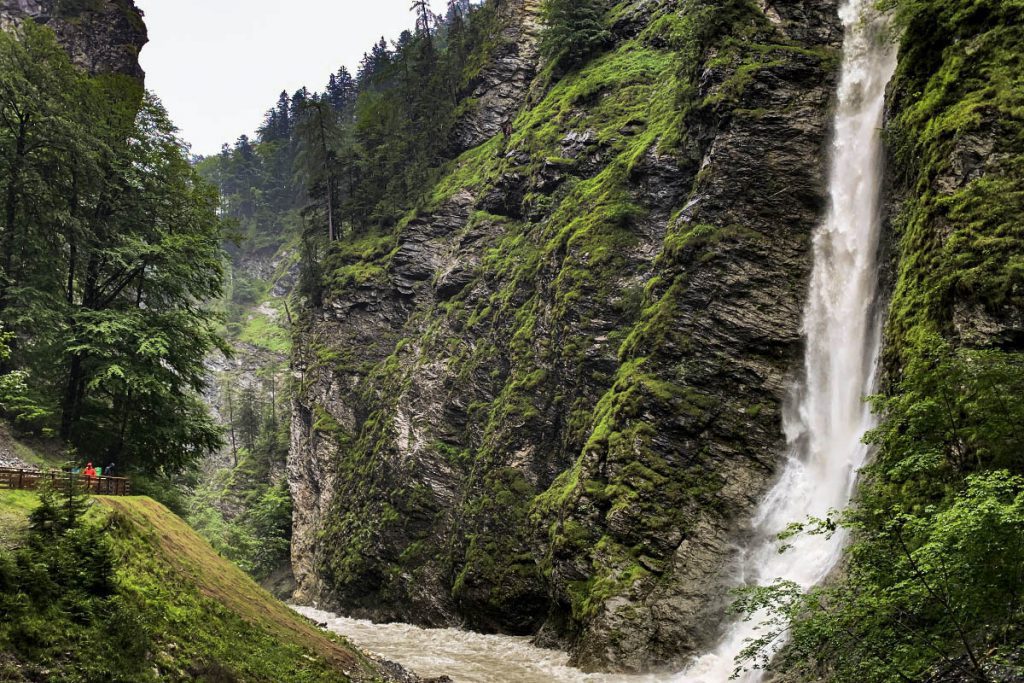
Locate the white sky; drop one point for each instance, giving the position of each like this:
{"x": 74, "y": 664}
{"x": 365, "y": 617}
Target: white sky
{"x": 218, "y": 65}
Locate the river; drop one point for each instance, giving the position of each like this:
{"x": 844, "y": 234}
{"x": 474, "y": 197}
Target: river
{"x": 464, "y": 656}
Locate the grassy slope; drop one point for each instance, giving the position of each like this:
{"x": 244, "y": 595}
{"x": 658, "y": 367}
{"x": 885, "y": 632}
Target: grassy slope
{"x": 199, "y": 616}
{"x": 14, "y": 509}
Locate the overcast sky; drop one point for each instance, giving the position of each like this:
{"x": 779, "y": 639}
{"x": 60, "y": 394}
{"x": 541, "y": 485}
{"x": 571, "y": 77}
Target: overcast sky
{"x": 218, "y": 65}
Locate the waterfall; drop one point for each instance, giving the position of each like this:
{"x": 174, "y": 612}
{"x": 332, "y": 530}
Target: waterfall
{"x": 826, "y": 416}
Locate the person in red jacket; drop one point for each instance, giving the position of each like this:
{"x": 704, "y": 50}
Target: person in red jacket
{"x": 89, "y": 471}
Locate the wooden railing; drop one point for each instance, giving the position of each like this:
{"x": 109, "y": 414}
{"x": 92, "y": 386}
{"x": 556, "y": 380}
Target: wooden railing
{"x": 31, "y": 479}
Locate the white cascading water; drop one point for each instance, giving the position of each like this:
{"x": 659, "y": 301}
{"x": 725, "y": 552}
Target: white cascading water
{"x": 827, "y": 416}
{"x": 824, "y": 421}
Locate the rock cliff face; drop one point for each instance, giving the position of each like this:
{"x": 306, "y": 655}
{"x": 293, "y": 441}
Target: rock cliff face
{"x": 498, "y": 91}
{"x": 550, "y": 400}
{"x": 102, "y": 36}
{"x": 955, "y": 168}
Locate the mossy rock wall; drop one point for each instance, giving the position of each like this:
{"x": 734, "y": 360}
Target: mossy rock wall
{"x": 103, "y": 37}
{"x": 955, "y": 128}
{"x": 551, "y": 398}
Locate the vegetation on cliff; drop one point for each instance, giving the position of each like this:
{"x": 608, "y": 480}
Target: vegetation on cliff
{"x": 327, "y": 168}
{"x": 518, "y": 391}
{"x": 540, "y": 344}
{"x": 555, "y": 203}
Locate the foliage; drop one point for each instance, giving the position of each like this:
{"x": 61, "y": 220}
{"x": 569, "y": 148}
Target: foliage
{"x": 133, "y": 595}
{"x": 935, "y": 576}
{"x": 574, "y": 30}
{"x": 243, "y": 507}
{"x": 62, "y": 506}
{"x": 16, "y": 399}
{"x": 938, "y": 591}
{"x": 109, "y": 245}
{"x": 17, "y": 402}
{"x": 931, "y": 587}
{"x": 258, "y": 538}
{"x": 334, "y": 165}
{"x": 953, "y": 411}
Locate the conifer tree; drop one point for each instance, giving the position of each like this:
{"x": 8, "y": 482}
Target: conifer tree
{"x": 423, "y": 18}
{"x": 574, "y": 31}
{"x": 373, "y": 64}
{"x": 317, "y": 132}
{"x": 341, "y": 92}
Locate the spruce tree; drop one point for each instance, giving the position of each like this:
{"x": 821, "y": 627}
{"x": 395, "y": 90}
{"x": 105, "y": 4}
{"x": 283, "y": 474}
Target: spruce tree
{"x": 341, "y": 92}
{"x": 316, "y": 162}
{"x": 574, "y": 31}
{"x": 423, "y": 16}
{"x": 374, "y": 63}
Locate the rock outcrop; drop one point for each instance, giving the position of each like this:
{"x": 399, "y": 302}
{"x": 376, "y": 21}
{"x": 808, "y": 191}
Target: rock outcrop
{"x": 101, "y": 36}
{"x": 956, "y": 146}
{"x": 497, "y": 92}
{"x": 551, "y": 399}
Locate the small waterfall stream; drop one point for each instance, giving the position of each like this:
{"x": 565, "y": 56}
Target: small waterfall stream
{"x": 825, "y": 418}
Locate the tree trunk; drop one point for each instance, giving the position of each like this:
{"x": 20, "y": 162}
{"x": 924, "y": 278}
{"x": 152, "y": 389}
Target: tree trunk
{"x": 11, "y": 211}
{"x": 231, "y": 424}
{"x": 331, "y": 235}
{"x": 72, "y": 397}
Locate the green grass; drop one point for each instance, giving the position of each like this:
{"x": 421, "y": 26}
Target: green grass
{"x": 263, "y": 332}
{"x": 191, "y": 613}
{"x": 14, "y": 509}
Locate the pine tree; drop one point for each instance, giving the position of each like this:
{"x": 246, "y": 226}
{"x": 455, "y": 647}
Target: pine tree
{"x": 423, "y": 18}
{"x": 249, "y": 420}
{"x": 317, "y": 134}
{"x": 574, "y": 30}
{"x": 341, "y": 92}
{"x": 62, "y": 505}
{"x": 373, "y": 65}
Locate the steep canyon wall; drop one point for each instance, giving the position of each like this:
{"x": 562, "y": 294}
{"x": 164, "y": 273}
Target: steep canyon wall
{"x": 101, "y": 36}
{"x": 551, "y": 398}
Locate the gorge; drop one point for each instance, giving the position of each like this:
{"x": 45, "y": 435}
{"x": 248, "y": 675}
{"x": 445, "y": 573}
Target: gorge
{"x": 827, "y": 416}
{"x": 623, "y": 341}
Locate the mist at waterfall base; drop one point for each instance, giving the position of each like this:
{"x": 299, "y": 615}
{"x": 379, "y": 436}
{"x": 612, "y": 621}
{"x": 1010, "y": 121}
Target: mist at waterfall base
{"x": 824, "y": 420}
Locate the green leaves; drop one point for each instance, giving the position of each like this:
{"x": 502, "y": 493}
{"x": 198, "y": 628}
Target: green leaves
{"x": 110, "y": 247}
{"x": 933, "y": 584}
{"x": 955, "y": 411}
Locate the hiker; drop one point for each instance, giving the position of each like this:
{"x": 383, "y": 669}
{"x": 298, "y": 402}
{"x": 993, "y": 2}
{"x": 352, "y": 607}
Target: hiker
{"x": 506, "y": 128}
{"x": 89, "y": 471}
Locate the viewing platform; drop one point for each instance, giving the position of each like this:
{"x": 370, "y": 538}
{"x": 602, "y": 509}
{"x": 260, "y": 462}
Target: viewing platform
{"x": 29, "y": 480}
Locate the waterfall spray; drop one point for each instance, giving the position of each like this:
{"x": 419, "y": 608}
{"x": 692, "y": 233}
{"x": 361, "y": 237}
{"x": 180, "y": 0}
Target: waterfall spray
{"x": 826, "y": 417}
